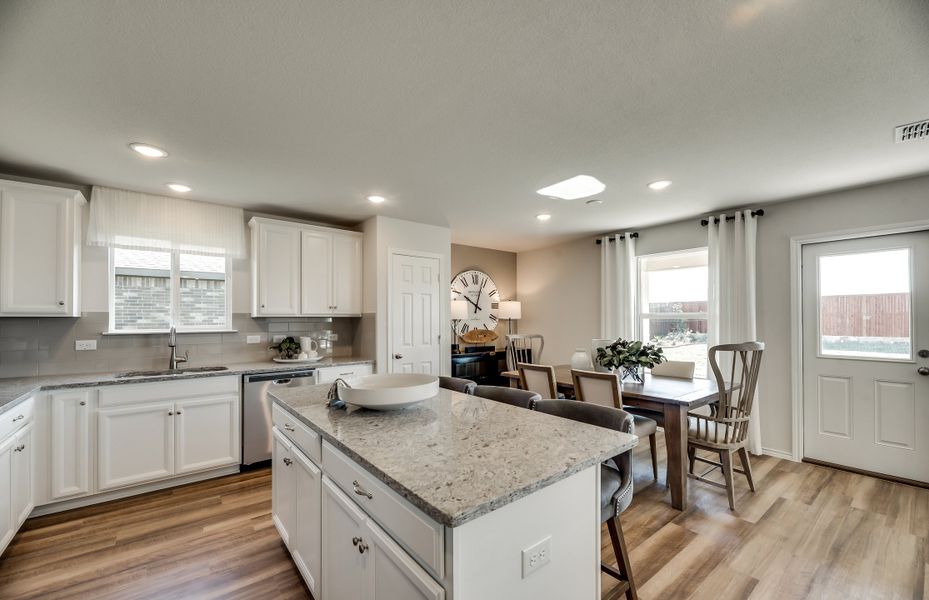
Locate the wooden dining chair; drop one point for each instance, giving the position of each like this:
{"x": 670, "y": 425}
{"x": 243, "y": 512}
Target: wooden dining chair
{"x": 603, "y": 389}
{"x": 523, "y": 348}
{"x": 681, "y": 369}
{"x": 726, "y": 431}
{"x": 538, "y": 378}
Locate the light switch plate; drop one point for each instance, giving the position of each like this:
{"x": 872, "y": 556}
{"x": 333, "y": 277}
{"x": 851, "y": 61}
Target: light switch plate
{"x": 253, "y": 339}
{"x": 537, "y": 556}
{"x": 85, "y": 344}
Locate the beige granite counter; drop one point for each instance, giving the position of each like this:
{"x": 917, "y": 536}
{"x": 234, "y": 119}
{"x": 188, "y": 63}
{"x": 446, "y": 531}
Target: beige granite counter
{"x": 457, "y": 457}
{"x": 15, "y": 389}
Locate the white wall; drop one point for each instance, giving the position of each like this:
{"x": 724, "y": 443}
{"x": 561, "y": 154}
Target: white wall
{"x": 560, "y": 286}
{"x": 382, "y": 235}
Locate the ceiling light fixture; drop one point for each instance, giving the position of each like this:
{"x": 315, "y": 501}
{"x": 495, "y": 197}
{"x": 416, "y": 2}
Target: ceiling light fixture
{"x": 543, "y": 217}
{"x": 376, "y": 199}
{"x": 179, "y": 187}
{"x": 579, "y": 186}
{"x": 148, "y": 150}
{"x": 594, "y": 201}
{"x": 659, "y": 185}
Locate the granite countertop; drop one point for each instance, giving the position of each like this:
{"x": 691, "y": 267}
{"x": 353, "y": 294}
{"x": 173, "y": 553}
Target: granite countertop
{"x": 16, "y": 389}
{"x": 457, "y": 457}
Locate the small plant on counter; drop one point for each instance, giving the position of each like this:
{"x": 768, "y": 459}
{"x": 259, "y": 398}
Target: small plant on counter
{"x": 288, "y": 348}
{"x": 630, "y": 356}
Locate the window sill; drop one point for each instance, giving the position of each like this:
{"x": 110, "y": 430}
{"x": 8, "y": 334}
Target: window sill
{"x": 166, "y": 332}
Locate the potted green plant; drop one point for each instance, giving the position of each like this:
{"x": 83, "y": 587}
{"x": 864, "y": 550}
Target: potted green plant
{"x": 631, "y": 357}
{"x": 289, "y": 348}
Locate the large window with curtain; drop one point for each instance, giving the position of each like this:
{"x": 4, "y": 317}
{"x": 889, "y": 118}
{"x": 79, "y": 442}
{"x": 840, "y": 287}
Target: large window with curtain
{"x": 673, "y": 304}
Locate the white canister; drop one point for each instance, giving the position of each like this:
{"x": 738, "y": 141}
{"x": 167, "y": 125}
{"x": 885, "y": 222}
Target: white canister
{"x": 580, "y": 359}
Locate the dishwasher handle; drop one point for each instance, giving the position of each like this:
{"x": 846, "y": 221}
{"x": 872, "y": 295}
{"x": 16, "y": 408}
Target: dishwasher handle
{"x": 281, "y": 376}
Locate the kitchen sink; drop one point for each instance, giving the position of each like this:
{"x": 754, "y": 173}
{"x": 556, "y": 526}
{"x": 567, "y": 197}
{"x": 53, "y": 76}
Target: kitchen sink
{"x": 163, "y": 372}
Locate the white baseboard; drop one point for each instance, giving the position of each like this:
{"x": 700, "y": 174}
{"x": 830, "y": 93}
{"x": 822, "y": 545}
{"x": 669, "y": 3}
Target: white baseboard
{"x": 62, "y": 505}
{"x": 778, "y": 454}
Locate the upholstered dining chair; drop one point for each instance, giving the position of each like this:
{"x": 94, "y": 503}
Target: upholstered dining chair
{"x": 508, "y": 395}
{"x": 681, "y": 369}
{"x": 523, "y": 348}
{"x": 603, "y": 389}
{"x": 615, "y": 479}
{"x": 726, "y": 431}
{"x": 457, "y": 384}
{"x": 539, "y": 379}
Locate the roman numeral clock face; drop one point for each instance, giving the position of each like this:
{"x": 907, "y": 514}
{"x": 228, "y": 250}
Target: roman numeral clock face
{"x": 480, "y": 292}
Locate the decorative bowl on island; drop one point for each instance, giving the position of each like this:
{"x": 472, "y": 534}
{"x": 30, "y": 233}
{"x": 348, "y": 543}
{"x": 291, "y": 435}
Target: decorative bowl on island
{"x": 390, "y": 391}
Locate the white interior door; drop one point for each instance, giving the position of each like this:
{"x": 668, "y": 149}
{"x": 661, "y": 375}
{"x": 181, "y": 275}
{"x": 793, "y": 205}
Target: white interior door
{"x": 866, "y": 354}
{"x": 416, "y": 296}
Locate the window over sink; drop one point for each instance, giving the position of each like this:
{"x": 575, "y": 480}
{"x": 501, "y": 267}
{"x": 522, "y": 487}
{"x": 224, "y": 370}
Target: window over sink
{"x": 151, "y": 290}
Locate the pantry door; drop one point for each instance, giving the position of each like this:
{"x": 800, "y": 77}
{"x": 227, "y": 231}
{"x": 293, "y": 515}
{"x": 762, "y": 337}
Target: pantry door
{"x": 415, "y": 308}
{"x": 866, "y": 354}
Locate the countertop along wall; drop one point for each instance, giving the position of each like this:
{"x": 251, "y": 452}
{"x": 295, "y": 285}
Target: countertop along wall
{"x": 500, "y": 265}
{"x": 560, "y": 286}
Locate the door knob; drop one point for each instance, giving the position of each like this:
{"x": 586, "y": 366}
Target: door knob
{"x": 923, "y": 353}
{"x": 398, "y": 356}
{"x": 924, "y": 371}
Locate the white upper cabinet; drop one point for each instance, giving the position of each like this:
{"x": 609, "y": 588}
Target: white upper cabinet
{"x": 40, "y": 245}
{"x": 304, "y": 270}
{"x": 275, "y": 270}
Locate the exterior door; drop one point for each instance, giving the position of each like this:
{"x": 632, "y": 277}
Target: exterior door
{"x": 866, "y": 354}
{"x": 416, "y": 295}
{"x": 135, "y": 444}
{"x": 206, "y": 433}
{"x": 343, "y": 573}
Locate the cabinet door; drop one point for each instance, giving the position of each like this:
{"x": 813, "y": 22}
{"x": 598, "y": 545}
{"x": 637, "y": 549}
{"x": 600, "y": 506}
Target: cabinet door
{"x": 306, "y": 539}
{"x": 343, "y": 573}
{"x": 7, "y": 527}
{"x": 316, "y": 290}
{"x": 278, "y": 270}
{"x": 35, "y": 246}
{"x": 70, "y": 443}
{"x": 283, "y": 487}
{"x": 135, "y": 444}
{"x": 392, "y": 573}
{"x": 206, "y": 433}
{"x": 23, "y": 468}
{"x": 346, "y": 274}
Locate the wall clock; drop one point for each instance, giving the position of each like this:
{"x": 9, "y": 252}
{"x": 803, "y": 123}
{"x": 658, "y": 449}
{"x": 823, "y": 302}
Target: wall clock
{"x": 480, "y": 292}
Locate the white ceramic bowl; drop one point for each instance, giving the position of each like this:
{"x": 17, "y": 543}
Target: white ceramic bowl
{"x": 390, "y": 391}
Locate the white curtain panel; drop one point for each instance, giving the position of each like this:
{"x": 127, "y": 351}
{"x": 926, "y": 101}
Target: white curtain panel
{"x": 617, "y": 287}
{"x": 732, "y": 274}
{"x": 137, "y": 221}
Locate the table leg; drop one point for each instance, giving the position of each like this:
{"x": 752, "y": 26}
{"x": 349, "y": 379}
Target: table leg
{"x": 675, "y": 431}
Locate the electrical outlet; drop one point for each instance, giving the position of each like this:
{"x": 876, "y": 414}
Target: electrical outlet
{"x": 85, "y": 344}
{"x": 537, "y": 556}
{"x": 253, "y": 339}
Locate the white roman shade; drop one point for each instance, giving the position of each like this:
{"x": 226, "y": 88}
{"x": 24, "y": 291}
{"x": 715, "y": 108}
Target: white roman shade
{"x": 137, "y": 221}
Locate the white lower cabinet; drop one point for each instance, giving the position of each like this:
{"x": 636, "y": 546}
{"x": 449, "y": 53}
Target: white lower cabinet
{"x": 70, "y": 444}
{"x": 135, "y": 444}
{"x": 392, "y": 574}
{"x": 283, "y": 490}
{"x": 22, "y": 487}
{"x": 7, "y": 526}
{"x": 206, "y": 433}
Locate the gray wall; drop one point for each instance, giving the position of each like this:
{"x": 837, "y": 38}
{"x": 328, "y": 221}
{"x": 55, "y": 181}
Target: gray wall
{"x": 560, "y": 286}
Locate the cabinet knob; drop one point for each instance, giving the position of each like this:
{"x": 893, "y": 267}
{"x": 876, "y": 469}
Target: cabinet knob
{"x": 177, "y": 412}
{"x": 356, "y": 540}
{"x": 170, "y": 413}
{"x": 19, "y": 448}
{"x": 362, "y": 547}
{"x": 83, "y": 403}
{"x": 288, "y": 462}
{"x": 61, "y": 303}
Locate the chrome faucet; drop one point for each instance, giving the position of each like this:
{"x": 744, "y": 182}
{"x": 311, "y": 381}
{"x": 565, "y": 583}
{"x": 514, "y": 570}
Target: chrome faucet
{"x": 172, "y": 343}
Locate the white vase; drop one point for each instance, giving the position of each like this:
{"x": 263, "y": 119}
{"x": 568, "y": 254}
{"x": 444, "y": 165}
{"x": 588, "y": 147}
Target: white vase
{"x": 580, "y": 359}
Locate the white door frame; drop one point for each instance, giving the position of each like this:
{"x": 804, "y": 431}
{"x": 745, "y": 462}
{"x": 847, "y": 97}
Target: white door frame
{"x": 796, "y": 309}
{"x": 444, "y": 307}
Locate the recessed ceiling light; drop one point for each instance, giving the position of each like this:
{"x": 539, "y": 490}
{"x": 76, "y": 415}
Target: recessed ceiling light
{"x": 579, "y": 186}
{"x": 659, "y": 185}
{"x": 376, "y": 199}
{"x": 543, "y": 217}
{"x": 148, "y": 150}
{"x": 179, "y": 187}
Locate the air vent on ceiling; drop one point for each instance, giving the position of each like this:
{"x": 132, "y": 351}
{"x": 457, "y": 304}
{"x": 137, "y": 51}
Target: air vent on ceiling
{"x": 912, "y": 131}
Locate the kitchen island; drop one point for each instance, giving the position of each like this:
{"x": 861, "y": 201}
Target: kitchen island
{"x": 459, "y": 498}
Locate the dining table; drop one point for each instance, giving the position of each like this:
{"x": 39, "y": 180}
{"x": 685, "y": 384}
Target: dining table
{"x": 670, "y": 397}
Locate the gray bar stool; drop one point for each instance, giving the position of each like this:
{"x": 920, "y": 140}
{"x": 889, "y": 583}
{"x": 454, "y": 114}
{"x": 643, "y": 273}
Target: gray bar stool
{"x": 508, "y": 395}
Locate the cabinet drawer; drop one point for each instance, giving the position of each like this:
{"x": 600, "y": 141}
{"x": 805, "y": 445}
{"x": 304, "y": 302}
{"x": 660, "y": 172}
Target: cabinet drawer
{"x": 16, "y": 417}
{"x": 347, "y": 372}
{"x": 412, "y": 528}
{"x": 305, "y": 438}
{"x": 148, "y": 391}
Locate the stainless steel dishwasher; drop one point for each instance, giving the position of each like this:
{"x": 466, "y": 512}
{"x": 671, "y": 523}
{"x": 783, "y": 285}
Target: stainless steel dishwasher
{"x": 256, "y": 409}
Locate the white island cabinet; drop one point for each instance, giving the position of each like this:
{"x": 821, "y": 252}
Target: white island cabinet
{"x": 440, "y": 501}
{"x": 17, "y": 469}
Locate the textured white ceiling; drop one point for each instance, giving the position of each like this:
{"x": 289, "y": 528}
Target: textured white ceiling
{"x": 457, "y": 111}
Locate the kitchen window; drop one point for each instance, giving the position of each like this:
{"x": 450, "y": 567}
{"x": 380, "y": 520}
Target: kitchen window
{"x": 152, "y": 290}
{"x": 673, "y": 300}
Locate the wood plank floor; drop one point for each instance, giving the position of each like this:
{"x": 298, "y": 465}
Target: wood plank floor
{"x": 809, "y": 532}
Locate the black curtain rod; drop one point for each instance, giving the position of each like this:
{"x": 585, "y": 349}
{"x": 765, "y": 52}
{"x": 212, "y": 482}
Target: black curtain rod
{"x": 755, "y": 213}
{"x": 634, "y": 234}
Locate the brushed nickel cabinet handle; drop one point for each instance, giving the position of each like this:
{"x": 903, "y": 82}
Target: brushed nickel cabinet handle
{"x": 19, "y": 418}
{"x": 289, "y": 427}
{"x": 360, "y": 491}
{"x": 356, "y": 540}
{"x": 19, "y": 448}
{"x": 288, "y": 462}
{"x": 362, "y": 547}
